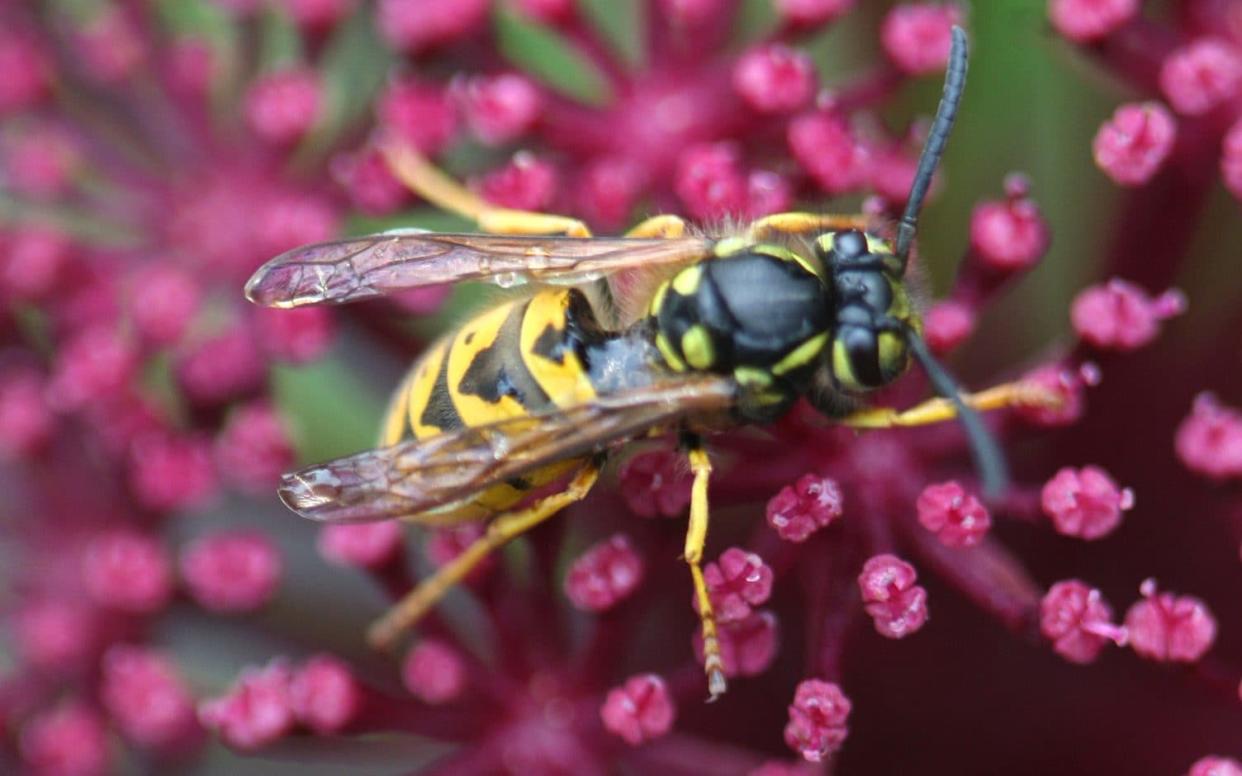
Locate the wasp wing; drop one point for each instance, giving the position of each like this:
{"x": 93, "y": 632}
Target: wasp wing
{"x": 363, "y": 267}
{"x": 417, "y": 475}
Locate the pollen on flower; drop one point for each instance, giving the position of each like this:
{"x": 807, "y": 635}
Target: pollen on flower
{"x": 282, "y": 106}
{"x": 324, "y": 695}
{"x": 1085, "y": 502}
{"x": 1131, "y": 146}
{"x": 640, "y": 710}
{"x": 948, "y": 324}
{"x": 818, "y": 719}
{"x": 1209, "y": 440}
{"x": 69, "y": 739}
{"x": 603, "y": 576}
{"x": 775, "y": 78}
{"x": 1077, "y": 620}
{"x": 736, "y": 582}
{"x": 1231, "y": 160}
{"x": 1168, "y": 627}
{"x": 1119, "y": 315}
{"x": 127, "y": 571}
{"x": 747, "y": 646}
{"x": 1011, "y": 234}
{"x": 1201, "y": 75}
{"x": 897, "y": 606}
{"x": 916, "y": 36}
{"x": 1087, "y": 20}
{"x": 362, "y": 545}
{"x": 825, "y": 146}
{"x": 956, "y": 517}
{"x": 256, "y": 710}
{"x": 499, "y": 109}
{"x": 434, "y": 672}
{"x": 656, "y": 483}
{"x": 231, "y": 571}
{"x": 1213, "y": 765}
{"x": 147, "y": 698}
{"x": 801, "y": 509}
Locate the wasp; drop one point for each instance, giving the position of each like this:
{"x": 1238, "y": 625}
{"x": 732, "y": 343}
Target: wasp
{"x": 509, "y": 419}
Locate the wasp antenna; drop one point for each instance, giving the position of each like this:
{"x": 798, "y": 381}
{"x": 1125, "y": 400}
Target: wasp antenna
{"x": 942, "y": 125}
{"x": 989, "y": 459}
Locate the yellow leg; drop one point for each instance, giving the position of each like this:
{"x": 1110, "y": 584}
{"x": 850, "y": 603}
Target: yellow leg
{"x": 807, "y": 222}
{"x": 665, "y": 226}
{"x": 696, "y": 536}
{"x": 430, "y": 183}
{"x": 407, "y": 612}
{"x": 1018, "y": 394}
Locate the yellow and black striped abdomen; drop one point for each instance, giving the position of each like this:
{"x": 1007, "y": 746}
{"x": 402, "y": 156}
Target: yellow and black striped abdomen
{"x": 517, "y": 359}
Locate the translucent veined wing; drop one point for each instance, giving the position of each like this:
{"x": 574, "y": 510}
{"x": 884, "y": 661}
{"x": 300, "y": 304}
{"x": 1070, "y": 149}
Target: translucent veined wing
{"x": 363, "y": 267}
{"x": 416, "y": 475}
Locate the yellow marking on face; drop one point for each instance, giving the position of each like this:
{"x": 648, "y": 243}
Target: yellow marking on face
{"x": 566, "y": 383}
{"x": 892, "y": 353}
{"x": 475, "y": 337}
{"x": 657, "y": 300}
{"x": 670, "y": 356}
{"x": 731, "y": 245}
{"x": 877, "y": 244}
{"x": 696, "y": 346}
{"x": 804, "y": 354}
{"x": 686, "y": 281}
{"x": 752, "y": 377}
{"x": 842, "y": 369}
{"x": 826, "y": 241}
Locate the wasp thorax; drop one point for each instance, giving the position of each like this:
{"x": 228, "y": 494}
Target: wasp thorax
{"x": 871, "y": 306}
{"x": 757, "y": 311}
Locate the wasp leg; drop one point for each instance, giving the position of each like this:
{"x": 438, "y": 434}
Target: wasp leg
{"x": 1015, "y": 394}
{"x": 430, "y": 183}
{"x": 696, "y": 536}
{"x": 409, "y": 610}
{"x": 807, "y": 222}
{"x": 664, "y": 226}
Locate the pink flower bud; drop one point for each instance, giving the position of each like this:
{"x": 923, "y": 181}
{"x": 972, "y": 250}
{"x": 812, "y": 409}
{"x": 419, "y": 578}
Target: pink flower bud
{"x": 163, "y": 301}
{"x": 253, "y": 449}
{"x": 1201, "y": 75}
{"x": 33, "y": 261}
{"x": 525, "y": 183}
{"x": 282, "y": 106}
{"x": 1085, "y": 503}
{"x": 736, "y": 582}
{"x": 1215, "y": 766}
{"x": 70, "y": 739}
{"x": 639, "y": 710}
{"x": 25, "y": 70}
{"x": 1087, "y": 20}
{"x": 1009, "y": 235}
{"x": 128, "y": 571}
{"x": 606, "y": 574}
{"x": 169, "y": 473}
{"x": 948, "y": 324}
{"x": 818, "y": 719}
{"x": 231, "y": 571}
{"x": 368, "y": 181}
{"x": 434, "y": 672}
{"x": 324, "y": 695}
{"x": 92, "y": 366}
{"x": 916, "y": 36}
{"x": 827, "y": 149}
{"x": 418, "y": 113}
{"x": 1209, "y": 440}
{"x": 147, "y": 699}
{"x": 499, "y": 109}
{"x": 803, "y": 508}
{"x": 362, "y": 545}
{"x": 1131, "y": 146}
{"x": 1068, "y": 385}
{"x": 221, "y": 368}
{"x": 1121, "y": 316}
{"x": 415, "y": 25}
{"x": 294, "y": 336}
{"x": 774, "y": 78}
{"x": 897, "y": 606}
{"x": 1077, "y": 620}
{"x": 809, "y": 13}
{"x": 256, "y": 711}
{"x": 747, "y": 646}
{"x": 710, "y": 182}
{"x": 1167, "y": 627}
{"x": 26, "y": 420}
{"x": 656, "y": 482}
{"x": 956, "y": 517}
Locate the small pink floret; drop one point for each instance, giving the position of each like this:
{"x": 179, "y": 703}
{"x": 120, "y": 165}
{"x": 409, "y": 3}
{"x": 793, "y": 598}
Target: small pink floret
{"x": 1201, "y": 75}
{"x": 148, "y": 700}
{"x": 363, "y": 545}
{"x": 1209, "y": 440}
{"x": 71, "y": 739}
{"x": 1085, "y": 502}
{"x": 948, "y": 324}
{"x": 801, "y": 509}
{"x": 1077, "y": 620}
{"x": 232, "y": 571}
{"x": 897, "y": 606}
{"x": 956, "y": 517}
{"x": 128, "y": 571}
{"x": 826, "y": 147}
{"x": 818, "y": 719}
{"x": 1213, "y": 765}
{"x": 1168, "y": 627}
{"x": 656, "y": 483}
{"x": 1087, "y": 20}
{"x": 747, "y": 646}
{"x": 256, "y": 711}
{"x": 434, "y": 672}
{"x": 736, "y": 582}
{"x": 499, "y": 109}
{"x": 603, "y": 576}
{"x": 254, "y": 449}
{"x": 812, "y": 12}
{"x": 775, "y": 79}
{"x": 282, "y": 106}
{"x": 1011, "y": 234}
{"x": 639, "y": 710}
{"x": 1131, "y": 146}
{"x": 324, "y": 695}
{"x": 916, "y": 36}
{"x": 1119, "y": 315}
